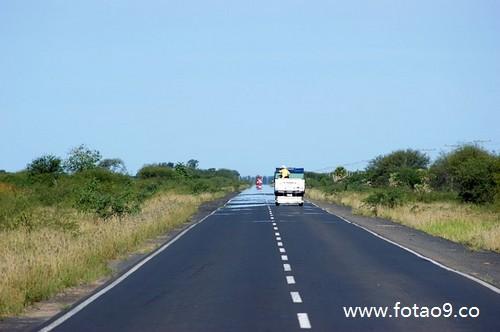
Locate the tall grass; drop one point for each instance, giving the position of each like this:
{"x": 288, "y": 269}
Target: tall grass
{"x": 36, "y": 263}
{"x": 475, "y": 226}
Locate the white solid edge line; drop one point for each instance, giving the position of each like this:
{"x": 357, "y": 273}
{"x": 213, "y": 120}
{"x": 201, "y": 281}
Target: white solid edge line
{"x": 304, "y": 322}
{"x": 287, "y": 267}
{"x": 463, "y": 274}
{"x": 290, "y": 280}
{"x": 296, "y": 297}
{"x": 94, "y": 297}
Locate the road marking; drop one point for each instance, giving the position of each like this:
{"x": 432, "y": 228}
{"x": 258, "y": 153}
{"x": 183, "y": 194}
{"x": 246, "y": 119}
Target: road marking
{"x": 463, "y": 274}
{"x": 272, "y": 217}
{"x": 284, "y": 257}
{"x": 278, "y": 239}
{"x": 275, "y": 228}
{"x": 287, "y": 267}
{"x": 277, "y": 234}
{"x": 290, "y": 280}
{"x": 136, "y": 267}
{"x": 282, "y": 250}
{"x": 280, "y": 244}
{"x": 296, "y": 297}
{"x": 304, "y": 321}
{"x": 274, "y": 224}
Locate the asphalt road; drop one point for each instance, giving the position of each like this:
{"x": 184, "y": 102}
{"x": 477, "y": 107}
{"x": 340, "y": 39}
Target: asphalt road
{"x": 252, "y": 266}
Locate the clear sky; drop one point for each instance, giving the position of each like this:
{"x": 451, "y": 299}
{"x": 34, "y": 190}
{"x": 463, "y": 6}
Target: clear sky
{"x": 248, "y": 85}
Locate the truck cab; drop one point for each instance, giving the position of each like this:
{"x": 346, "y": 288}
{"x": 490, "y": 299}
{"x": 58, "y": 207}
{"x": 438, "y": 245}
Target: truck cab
{"x": 290, "y": 189}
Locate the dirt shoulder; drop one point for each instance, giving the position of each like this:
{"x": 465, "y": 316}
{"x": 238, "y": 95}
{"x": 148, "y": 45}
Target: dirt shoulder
{"x": 484, "y": 265}
{"x": 40, "y": 312}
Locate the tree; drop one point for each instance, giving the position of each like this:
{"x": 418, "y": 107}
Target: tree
{"x": 469, "y": 170}
{"x": 379, "y": 169}
{"x": 192, "y": 163}
{"x": 181, "y": 170}
{"x": 115, "y": 165}
{"x": 81, "y": 158}
{"x": 46, "y": 164}
{"x": 476, "y": 181}
{"x": 339, "y": 174}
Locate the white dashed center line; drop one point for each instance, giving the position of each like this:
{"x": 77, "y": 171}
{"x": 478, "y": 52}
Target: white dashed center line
{"x": 304, "y": 321}
{"x": 303, "y": 318}
{"x": 296, "y": 297}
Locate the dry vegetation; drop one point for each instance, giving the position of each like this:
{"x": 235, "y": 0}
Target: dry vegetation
{"x": 35, "y": 263}
{"x": 474, "y": 226}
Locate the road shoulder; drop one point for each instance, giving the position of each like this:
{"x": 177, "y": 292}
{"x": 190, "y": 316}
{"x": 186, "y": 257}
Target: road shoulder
{"x": 39, "y": 313}
{"x": 484, "y": 265}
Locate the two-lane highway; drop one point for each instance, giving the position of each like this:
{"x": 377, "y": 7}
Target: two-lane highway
{"x": 253, "y": 266}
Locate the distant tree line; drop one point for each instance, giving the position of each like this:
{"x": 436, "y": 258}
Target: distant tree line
{"x": 470, "y": 172}
{"x": 90, "y": 183}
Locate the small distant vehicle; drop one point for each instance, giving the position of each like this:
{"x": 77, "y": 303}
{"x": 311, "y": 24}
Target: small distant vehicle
{"x": 291, "y": 188}
{"x": 259, "y": 182}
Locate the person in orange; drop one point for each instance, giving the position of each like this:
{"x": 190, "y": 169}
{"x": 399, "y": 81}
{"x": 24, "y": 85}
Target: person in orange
{"x": 284, "y": 172}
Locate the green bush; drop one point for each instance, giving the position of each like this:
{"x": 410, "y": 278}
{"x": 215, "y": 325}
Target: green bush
{"x": 470, "y": 171}
{"x": 389, "y": 198}
{"x": 15, "y": 210}
{"x": 94, "y": 198}
{"x": 410, "y": 177}
{"x": 476, "y": 181}
{"x": 47, "y": 164}
{"x": 154, "y": 171}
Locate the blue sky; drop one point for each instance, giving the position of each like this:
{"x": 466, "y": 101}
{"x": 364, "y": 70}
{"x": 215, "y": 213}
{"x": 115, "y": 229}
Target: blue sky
{"x": 247, "y": 85}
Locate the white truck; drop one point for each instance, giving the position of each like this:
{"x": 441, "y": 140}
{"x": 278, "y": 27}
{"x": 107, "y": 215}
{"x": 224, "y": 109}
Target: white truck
{"x": 291, "y": 189}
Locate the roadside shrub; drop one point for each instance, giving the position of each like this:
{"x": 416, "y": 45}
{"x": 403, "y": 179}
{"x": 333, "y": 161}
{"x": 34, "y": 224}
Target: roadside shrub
{"x": 410, "y": 177}
{"x": 388, "y": 198}
{"x": 476, "y": 182}
{"x": 339, "y": 174}
{"x": 200, "y": 186}
{"x": 152, "y": 171}
{"x": 470, "y": 171}
{"x": 95, "y": 199}
{"x": 182, "y": 171}
{"x": 15, "y": 210}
